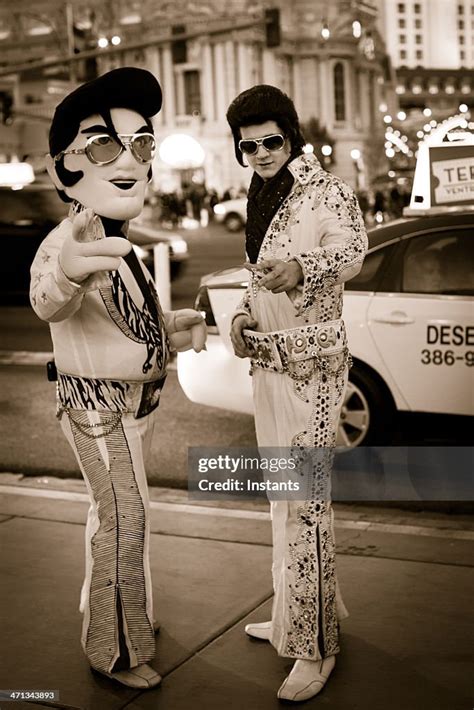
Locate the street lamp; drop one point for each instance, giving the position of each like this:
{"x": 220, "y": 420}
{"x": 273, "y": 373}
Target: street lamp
{"x": 182, "y": 152}
{"x": 358, "y": 163}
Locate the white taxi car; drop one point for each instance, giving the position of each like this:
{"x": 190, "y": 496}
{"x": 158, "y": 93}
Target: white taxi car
{"x": 409, "y": 318}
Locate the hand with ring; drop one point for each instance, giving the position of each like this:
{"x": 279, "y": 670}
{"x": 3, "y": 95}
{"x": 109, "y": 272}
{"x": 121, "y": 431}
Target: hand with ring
{"x": 280, "y": 276}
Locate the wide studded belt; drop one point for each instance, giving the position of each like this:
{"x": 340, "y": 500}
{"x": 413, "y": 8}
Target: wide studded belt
{"x": 284, "y": 350}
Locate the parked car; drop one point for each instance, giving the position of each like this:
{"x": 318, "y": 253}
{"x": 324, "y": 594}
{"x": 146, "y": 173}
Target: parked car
{"x": 29, "y": 214}
{"x": 233, "y": 213}
{"x": 409, "y": 318}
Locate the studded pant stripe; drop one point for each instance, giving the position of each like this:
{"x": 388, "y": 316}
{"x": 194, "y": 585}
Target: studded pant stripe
{"x": 117, "y": 550}
{"x": 306, "y": 604}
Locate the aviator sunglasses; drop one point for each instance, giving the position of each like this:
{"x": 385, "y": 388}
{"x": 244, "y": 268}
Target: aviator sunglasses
{"x": 273, "y": 142}
{"x": 102, "y": 149}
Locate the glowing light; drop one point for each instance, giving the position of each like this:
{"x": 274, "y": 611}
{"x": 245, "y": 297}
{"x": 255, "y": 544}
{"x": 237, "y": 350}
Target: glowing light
{"x": 388, "y": 144}
{"x": 182, "y": 152}
{"x": 326, "y": 150}
{"x": 427, "y": 112}
{"x": 16, "y": 174}
{"x": 465, "y": 89}
{"x": 400, "y": 89}
{"x": 103, "y": 42}
{"x": 449, "y": 89}
{"x": 433, "y": 89}
{"x": 383, "y": 108}
{"x": 387, "y": 118}
{"x": 464, "y": 124}
{"x": 463, "y": 108}
{"x": 355, "y": 154}
{"x": 391, "y": 173}
{"x": 427, "y": 127}
{"x": 325, "y": 32}
{"x": 308, "y": 148}
{"x": 416, "y": 88}
{"x": 401, "y": 115}
{"x": 356, "y": 29}
{"x": 116, "y": 40}
{"x": 390, "y": 153}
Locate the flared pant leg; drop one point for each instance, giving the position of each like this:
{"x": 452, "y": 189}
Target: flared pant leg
{"x": 116, "y": 597}
{"x": 307, "y": 604}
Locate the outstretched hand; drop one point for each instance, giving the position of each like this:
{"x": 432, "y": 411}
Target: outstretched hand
{"x": 186, "y": 329}
{"x": 82, "y": 256}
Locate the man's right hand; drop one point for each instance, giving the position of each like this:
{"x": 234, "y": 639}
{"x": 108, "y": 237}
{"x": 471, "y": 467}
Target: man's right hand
{"x": 80, "y": 257}
{"x": 240, "y": 323}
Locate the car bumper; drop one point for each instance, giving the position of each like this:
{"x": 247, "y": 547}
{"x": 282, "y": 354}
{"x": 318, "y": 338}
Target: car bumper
{"x": 215, "y": 377}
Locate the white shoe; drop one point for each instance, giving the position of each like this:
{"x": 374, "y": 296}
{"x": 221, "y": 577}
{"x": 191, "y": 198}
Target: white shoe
{"x": 260, "y": 631}
{"x": 307, "y": 679}
{"x": 143, "y": 676}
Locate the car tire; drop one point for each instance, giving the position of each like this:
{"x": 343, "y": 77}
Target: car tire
{"x": 233, "y": 222}
{"x": 367, "y": 411}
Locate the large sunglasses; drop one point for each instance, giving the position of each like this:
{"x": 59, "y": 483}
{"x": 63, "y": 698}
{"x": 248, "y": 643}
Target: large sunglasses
{"x": 273, "y": 142}
{"x": 102, "y": 149}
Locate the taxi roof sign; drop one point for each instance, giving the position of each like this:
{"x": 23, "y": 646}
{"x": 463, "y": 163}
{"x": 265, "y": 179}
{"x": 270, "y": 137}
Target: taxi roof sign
{"x": 444, "y": 173}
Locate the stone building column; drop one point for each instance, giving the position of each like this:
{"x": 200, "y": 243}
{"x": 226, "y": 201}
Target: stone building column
{"x": 169, "y": 101}
{"x": 152, "y": 58}
{"x": 231, "y": 83}
{"x": 243, "y": 57}
{"x": 207, "y": 82}
{"x": 220, "y": 74}
{"x": 269, "y": 68}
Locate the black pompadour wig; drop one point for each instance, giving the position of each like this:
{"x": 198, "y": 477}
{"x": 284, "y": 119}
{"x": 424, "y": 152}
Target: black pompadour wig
{"x": 127, "y": 87}
{"x": 264, "y": 103}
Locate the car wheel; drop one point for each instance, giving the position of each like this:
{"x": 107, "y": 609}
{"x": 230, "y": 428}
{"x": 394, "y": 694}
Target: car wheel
{"x": 233, "y": 222}
{"x": 366, "y": 412}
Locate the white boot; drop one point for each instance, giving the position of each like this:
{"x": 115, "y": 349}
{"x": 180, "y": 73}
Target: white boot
{"x": 307, "y": 679}
{"x": 260, "y": 631}
{"x": 143, "y": 676}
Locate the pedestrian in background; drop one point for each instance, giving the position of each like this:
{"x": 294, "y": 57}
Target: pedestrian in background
{"x": 305, "y": 236}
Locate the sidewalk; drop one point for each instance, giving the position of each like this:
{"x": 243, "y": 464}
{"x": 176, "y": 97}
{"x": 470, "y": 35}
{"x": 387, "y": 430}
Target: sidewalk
{"x": 406, "y": 580}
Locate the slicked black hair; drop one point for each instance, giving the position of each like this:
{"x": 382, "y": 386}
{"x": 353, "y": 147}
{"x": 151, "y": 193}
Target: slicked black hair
{"x": 264, "y": 103}
{"x": 126, "y": 87}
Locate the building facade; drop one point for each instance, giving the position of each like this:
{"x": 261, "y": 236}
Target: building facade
{"x": 329, "y": 57}
{"x": 431, "y": 46}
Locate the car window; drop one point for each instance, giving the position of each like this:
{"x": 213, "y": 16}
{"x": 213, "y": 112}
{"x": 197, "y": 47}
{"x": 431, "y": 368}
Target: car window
{"x": 370, "y": 275}
{"x": 440, "y": 263}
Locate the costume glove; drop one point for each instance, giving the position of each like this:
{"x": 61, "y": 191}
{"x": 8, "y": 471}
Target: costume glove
{"x": 186, "y": 329}
{"x": 82, "y": 255}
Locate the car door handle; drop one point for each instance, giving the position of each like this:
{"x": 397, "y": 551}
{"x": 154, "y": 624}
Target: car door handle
{"x": 395, "y": 318}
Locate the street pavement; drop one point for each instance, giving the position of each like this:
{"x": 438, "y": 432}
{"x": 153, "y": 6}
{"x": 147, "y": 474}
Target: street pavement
{"x": 406, "y": 579}
{"x": 32, "y": 441}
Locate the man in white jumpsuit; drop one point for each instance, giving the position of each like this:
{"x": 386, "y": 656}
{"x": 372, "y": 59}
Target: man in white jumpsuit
{"x": 305, "y": 237}
{"x": 111, "y": 342}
